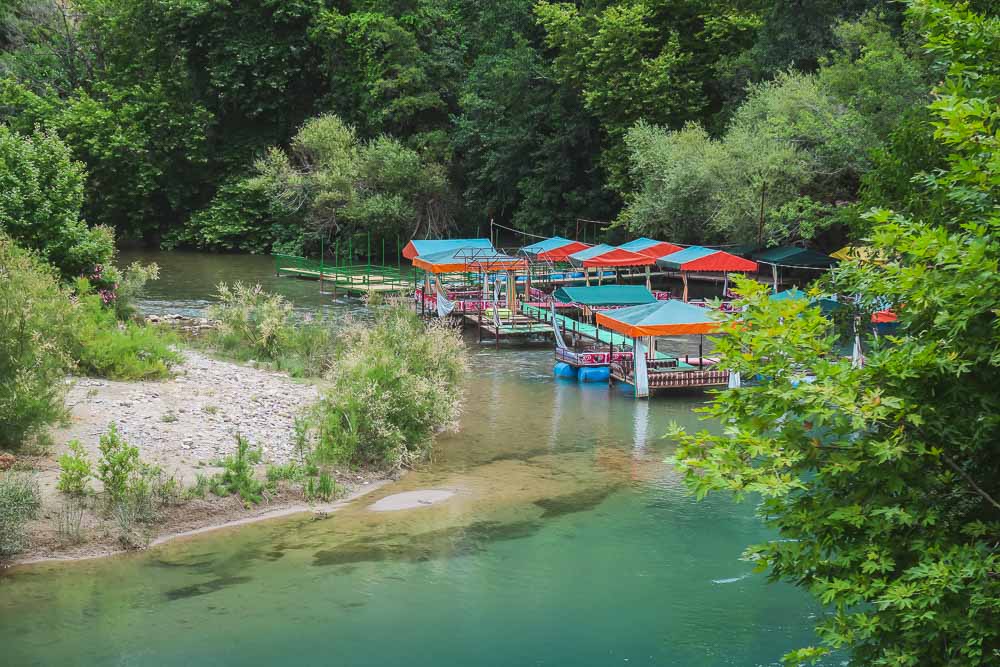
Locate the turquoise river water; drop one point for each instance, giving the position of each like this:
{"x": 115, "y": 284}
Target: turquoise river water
{"x": 569, "y": 542}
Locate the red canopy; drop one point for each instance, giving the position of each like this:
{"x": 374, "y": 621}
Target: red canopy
{"x": 659, "y": 250}
{"x": 884, "y": 317}
{"x": 562, "y": 253}
{"x": 619, "y": 257}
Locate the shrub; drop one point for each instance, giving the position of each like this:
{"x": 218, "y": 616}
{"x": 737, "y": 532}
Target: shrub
{"x": 254, "y": 324}
{"x": 118, "y": 464}
{"x": 131, "y": 351}
{"x": 289, "y": 472}
{"x": 75, "y": 471}
{"x": 202, "y": 484}
{"x": 134, "y": 491}
{"x": 132, "y": 286}
{"x": 237, "y": 476}
{"x": 19, "y": 503}
{"x": 70, "y": 521}
{"x": 394, "y": 384}
{"x": 251, "y": 321}
{"x": 35, "y": 323}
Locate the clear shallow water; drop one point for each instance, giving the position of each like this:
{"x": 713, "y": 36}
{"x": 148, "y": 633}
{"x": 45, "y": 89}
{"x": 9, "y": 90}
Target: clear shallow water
{"x": 568, "y": 542}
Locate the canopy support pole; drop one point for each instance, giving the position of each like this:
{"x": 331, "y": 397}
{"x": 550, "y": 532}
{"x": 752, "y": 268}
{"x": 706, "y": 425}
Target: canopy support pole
{"x": 649, "y": 282}
{"x": 684, "y": 279}
{"x": 774, "y": 273}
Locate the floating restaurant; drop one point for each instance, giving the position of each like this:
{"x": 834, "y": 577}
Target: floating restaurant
{"x": 595, "y": 301}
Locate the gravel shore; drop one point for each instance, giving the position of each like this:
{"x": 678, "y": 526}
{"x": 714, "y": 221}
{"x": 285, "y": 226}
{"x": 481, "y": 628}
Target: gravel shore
{"x": 185, "y": 425}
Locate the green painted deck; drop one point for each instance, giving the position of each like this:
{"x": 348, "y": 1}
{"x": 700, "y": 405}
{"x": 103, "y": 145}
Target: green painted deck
{"x": 356, "y": 278}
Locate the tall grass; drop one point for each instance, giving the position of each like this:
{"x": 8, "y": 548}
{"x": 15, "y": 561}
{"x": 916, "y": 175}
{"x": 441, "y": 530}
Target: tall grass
{"x": 19, "y": 503}
{"x": 257, "y": 325}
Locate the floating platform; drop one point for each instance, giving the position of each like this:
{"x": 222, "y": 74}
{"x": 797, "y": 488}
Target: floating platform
{"x": 665, "y": 376}
{"x": 352, "y": 279}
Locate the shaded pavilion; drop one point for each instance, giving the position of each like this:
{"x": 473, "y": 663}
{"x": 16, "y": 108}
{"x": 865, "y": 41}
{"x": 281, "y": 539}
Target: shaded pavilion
{"x": 663, "y": 318}
{"x": 704, "y": 260}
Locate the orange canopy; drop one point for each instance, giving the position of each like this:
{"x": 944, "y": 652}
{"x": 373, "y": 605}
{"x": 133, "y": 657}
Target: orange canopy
{"x": 663, "y": 318}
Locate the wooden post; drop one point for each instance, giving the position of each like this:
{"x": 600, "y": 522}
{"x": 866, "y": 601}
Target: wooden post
{"x": 649, "y": 280}
{"x": 480, "y": 323}
{"x": 774, "y": 272}
{"x": 684, "y": 279}
{"x": 586, "y": 274}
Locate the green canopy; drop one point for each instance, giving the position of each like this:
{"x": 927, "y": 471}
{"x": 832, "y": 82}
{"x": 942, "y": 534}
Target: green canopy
{"x": 605, "y": 295}
{"x": 794, "y": 256}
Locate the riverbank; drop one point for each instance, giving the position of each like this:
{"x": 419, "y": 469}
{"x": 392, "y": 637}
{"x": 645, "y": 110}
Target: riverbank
{"x": 184, "y": 425}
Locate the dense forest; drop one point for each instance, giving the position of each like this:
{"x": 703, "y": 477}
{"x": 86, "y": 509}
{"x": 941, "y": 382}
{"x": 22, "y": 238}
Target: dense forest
{"x": 257, "y": 125}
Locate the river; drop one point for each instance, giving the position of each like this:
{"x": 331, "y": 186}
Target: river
{"x": 569, "y": 541}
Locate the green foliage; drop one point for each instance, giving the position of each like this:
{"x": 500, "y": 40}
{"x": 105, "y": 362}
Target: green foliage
{"x": 321, "y": 488}
{"x": 117, "y": 466}
{"x": 75, "y": 471}
{"x": 289, "y": 472}
{"x": 254, "y": 324}
{"x": 134, "y": 491}
{"x": 41, "y": 192}
{"x": 35, "y": 323}
{"x": 873, "y": 73}
{"x": 883, "y": 480}
{"x": 20, "y": 501}
{"x": 252, "y": 319}
{"x": 132, "y": 286}
{"x": 103, "y": 347}
{"x": 240, "y": 217}
{"x": 338, "y": 182}
{"x": 394, "y": 384}
{"x": 790, "y": 144}
{"x": 237, "y": 476}
{"x": 528, "y": 150}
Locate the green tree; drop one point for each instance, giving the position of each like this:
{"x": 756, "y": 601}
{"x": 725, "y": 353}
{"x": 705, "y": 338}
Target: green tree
{"x": 527, "y": 149}
{"x": 790, "y": 148}
{"x": 342, "y": 184}
{"x": 883, "y": 480}
{"x": 41, "y": 192}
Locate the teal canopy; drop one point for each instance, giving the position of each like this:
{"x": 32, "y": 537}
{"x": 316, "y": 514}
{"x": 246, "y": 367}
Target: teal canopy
{"x": 663, "y": 318}
{"x": 578, "y": 258}
{"x": 825, "y": 304}
{"x": 420, "y": 247}
{"x": 794, "y": 294}
{"x": 605, "y": 295}
{"x": 546, "y": 245}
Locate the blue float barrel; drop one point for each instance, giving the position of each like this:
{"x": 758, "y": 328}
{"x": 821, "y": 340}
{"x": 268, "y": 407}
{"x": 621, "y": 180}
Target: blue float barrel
{"x": 594, "y": 374}
{"x": 562, "y": 370}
